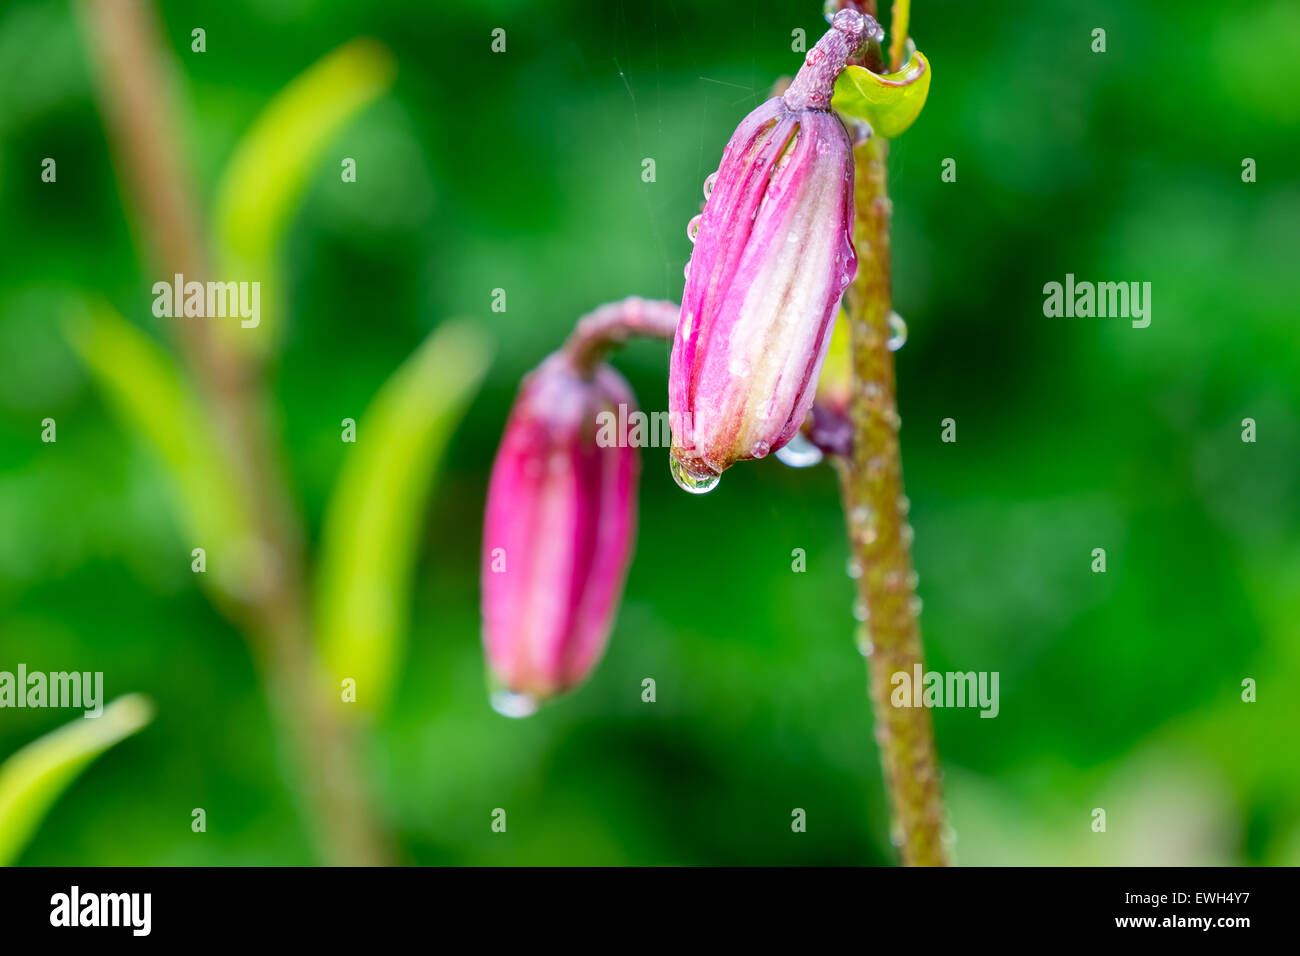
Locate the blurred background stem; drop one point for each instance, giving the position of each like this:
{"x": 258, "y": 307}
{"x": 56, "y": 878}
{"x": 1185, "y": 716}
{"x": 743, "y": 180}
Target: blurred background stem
{"x": 271, "y": 607}
{"x": 871, "y": 483}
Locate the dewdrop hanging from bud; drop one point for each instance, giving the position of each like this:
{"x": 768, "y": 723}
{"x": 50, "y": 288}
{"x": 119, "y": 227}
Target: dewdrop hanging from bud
{"x": 773, "y": 255}
{"x": 561, "y": 514}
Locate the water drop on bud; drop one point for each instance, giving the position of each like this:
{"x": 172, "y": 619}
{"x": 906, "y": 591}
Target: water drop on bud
{"x": 689, "y": 477}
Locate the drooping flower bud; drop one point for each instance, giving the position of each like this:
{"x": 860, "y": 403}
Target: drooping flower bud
{"x": 773, "y": 256}
{"x": 561, "y": 513}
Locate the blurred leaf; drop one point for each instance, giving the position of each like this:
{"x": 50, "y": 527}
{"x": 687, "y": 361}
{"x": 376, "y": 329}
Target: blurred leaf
{"x": 267, "y": 173}
{"x": 368, "y": 540}
{"x": 34, "y": 777}
{"x": 144, "y": 386}
{"x": 890, "y": 103}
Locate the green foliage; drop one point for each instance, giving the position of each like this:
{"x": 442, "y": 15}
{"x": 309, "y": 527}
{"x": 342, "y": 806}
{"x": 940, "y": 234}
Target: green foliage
{"x": 265, "y": 177}
{"x": 144, "y": 386}
{"x": 371, "y": 527}
{"x": 33, "y": 778}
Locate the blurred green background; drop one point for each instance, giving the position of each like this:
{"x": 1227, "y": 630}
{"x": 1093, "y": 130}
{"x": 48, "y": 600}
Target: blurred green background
{"x": 522, "y": 171}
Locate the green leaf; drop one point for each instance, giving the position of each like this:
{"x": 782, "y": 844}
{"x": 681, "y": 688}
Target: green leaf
{"x": 144, "y": 387}
{"x": 372, "y": 523}
{"x": 267, "y": 174}
{"x": 33, "y": 778}
{"x": 890, "y": 103}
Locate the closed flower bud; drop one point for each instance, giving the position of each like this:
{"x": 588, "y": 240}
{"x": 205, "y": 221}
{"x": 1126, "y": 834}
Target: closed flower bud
{"x": 557, "y": 537}
{"x": 773, "y": 256}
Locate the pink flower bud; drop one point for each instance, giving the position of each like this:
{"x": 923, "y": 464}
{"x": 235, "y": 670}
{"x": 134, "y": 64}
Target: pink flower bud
{"x": 773, "y": 256}
{"x": 557, "y": 537}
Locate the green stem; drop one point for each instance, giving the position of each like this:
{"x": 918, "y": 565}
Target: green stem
{"x": 871, "y": 483}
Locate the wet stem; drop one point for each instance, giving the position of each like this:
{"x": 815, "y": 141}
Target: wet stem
{"x": 871, "y": 484}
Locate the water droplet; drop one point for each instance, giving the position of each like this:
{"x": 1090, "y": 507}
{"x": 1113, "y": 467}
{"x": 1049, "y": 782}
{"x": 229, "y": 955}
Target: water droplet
{"x": 913, "y": 579}
{"x": 799, "y": 452}
{"x": 686, "y": 271}
{"x": 760, "y": 449}
{"x": 948, "y": 837}
{"x": 709, "y": 183}
{"x": 904, "y": 505}
{"x": 864, "y": 524}
{"x": 693, "y": 228}
{"x": 695, "y": 480}
{"x": 875, "y": 467}
{"x": 829, "y": 9}
{"x": 897, "y": 332}
{"x": 865, "y": 646}
{"x": 897, "y": 834}
{"x": 861, "y": 612}
{"x": 908, "y": 534}
{"x": 854, "y": 568}
{"x": 914, "y": 605}
{"x": 893, "y": 581}
{"x": 873, "y": 393}
{"x": 508, "y": 703}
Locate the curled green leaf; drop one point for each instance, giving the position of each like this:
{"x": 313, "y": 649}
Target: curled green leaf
{"x": 890, "y": 102}
{"x": 371, "y": 526}
{"x": 34, "y": 777}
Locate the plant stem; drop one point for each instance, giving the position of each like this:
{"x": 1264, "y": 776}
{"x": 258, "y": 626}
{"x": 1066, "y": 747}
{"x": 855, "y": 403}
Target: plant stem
{"x": 871, "y": 483}
{"x": 613, "y": 324}
{"x": 272, "y": 608}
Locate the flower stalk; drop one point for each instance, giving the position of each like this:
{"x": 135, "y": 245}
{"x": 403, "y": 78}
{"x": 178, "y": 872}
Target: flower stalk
{"x": 613, "y": 324}
{"x": 875, "y": 506}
